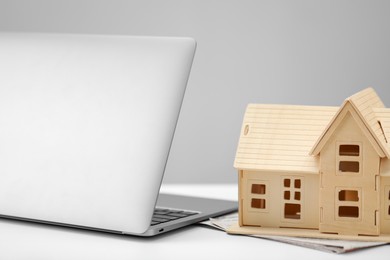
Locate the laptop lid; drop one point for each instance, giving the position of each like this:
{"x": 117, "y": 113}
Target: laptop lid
{"x": 86, "y": 124}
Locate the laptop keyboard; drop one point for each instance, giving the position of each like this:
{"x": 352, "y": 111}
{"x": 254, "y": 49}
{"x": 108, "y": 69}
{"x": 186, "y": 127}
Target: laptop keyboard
{"x": 162, "y": 215}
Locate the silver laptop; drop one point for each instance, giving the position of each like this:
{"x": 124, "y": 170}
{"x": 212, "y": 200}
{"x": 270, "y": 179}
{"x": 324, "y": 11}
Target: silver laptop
{"x": 86, "y": 124}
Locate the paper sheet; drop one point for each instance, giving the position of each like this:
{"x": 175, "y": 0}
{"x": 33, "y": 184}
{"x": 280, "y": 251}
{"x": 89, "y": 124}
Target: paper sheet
{"x": 327, "y": 245}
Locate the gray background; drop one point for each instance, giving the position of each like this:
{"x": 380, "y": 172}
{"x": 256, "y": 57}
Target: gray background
{"x": 287, "y": 52}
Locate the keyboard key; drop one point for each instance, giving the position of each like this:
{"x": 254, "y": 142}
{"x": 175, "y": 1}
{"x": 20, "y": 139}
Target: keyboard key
{"x": 162, "y": 215}
{"x": 167, "y": 216}
{"x": 161, "y": 220}
{"x": 180, "y": 215}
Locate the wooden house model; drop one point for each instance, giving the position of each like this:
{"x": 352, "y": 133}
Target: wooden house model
{"x": 316, "y": 167}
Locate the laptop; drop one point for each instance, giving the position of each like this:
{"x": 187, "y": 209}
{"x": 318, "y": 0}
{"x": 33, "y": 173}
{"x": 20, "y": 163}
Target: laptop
{"x": 86, "y": 125}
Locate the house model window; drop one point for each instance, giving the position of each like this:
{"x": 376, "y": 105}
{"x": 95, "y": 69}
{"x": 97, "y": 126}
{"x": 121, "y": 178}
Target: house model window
{"x": 292, "y": 198}
{"x": 388, "y": 213}
{"x": 388, "y": 201}
{"x": 348, "y": 203}
{"x": 349, "y": 158}
{"x": 258, "y": 194}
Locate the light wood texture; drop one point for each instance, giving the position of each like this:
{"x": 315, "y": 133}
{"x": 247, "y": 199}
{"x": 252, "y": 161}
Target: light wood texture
{"x": 364, "y": 103}
{"x": 383, "y": 131}
{"x": 293, "y": 190}
{"x": 359, "y": 216}
{"x": 295, "y": 232}
{"x": 324, "y": 168}
{"x": 279, "y": 137}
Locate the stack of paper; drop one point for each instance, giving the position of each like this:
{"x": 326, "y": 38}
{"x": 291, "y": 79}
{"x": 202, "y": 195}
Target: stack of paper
{"x": 328, "y": 245}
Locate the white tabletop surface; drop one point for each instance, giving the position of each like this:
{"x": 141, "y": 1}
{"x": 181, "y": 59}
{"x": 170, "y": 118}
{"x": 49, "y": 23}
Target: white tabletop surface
{"x": 20, "y": 240}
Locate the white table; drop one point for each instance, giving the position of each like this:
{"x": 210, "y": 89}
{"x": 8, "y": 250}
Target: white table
{"x": 20, "y": 240}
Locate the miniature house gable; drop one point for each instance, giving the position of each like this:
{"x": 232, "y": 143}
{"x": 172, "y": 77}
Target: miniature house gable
{"x": 324, "y": 168}
{"x": 362, "y": 106}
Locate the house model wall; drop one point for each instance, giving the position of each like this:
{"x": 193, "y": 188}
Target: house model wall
{"x": 315, "y": 167}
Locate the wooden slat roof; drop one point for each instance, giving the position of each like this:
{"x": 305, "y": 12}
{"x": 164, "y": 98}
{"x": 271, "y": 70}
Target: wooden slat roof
{"x": 372, "y": 111}
{"x": 283, "y": 137}
{"x": 382, "y": 128}
{"x": 279, "y": 137}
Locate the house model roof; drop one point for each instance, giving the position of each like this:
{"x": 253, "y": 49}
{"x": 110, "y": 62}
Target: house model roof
{"x": 373, "y": 114}
{"x": 288, "y": 138}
